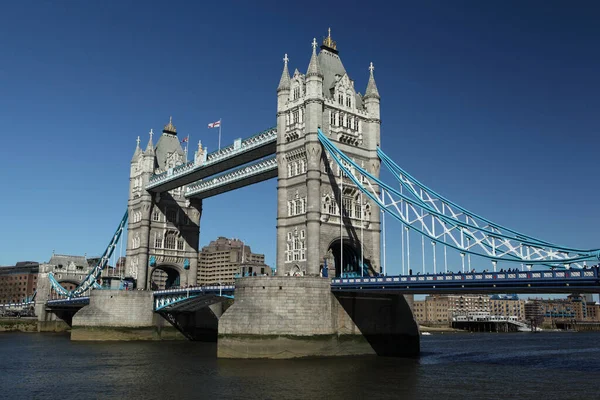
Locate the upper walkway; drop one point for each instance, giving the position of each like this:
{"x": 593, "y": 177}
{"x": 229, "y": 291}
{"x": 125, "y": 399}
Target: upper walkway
{"x": 241, "y": 152}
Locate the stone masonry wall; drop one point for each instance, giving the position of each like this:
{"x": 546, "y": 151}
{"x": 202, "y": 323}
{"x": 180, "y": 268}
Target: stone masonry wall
{"x": 280, "y": 306}
{"x": 117, "y": 308}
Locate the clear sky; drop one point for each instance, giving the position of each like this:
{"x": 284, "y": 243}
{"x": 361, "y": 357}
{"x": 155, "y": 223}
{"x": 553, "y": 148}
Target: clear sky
{"x": 495, "y": 105}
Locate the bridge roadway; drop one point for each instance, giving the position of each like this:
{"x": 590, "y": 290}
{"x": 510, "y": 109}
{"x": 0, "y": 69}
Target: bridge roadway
{"x": 563, "y": 281}
{"x": 239, "y": 153}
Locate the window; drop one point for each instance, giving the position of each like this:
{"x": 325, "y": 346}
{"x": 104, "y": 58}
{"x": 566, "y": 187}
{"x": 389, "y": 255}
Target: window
{"x": 289, "y": 237}
{"x": 171, "y": 215}
{"x": 295, "y": 116}
{"x": 348, "y": 101}
{"x": 296, "y": 93}
{"x": 180, "y": 244}
{"x": 332, "y": 118}
{"x": 302, "y": 234}
{"x": 157, "y": 240}
{"x": 170, "y": 240}
{"x": 298, "y": 207}
{"x": 302, "y": 166}
{"x": 340, "y": 99}
{"x": 156, "y": 215}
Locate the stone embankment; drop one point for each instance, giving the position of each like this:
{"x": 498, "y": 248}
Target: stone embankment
{"x": 18, "y": 325}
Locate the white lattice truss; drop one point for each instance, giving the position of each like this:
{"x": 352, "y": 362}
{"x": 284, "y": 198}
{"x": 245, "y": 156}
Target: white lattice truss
{"x": 423, "y": 210}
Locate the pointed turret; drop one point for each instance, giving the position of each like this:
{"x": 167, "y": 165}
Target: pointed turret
{"x": 314, "y": 69}
{"x": 372, "y": 91}
{"x": 284, "y": 82}
{"x": 150, "y": 146}
{"x": 137, "y": 151}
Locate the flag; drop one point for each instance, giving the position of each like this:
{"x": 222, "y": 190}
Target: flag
{"x": 185, "y": 139}
{"x": 216, "y": 124}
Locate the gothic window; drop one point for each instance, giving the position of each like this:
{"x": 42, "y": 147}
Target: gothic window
{"x": 289, "y": 170}
{"x": 171, "y": 215}
{"x": 180, "y": 243}
{"x": 303, "y": 206}
{"x": 289, "y": 208}
{"x": 296, "y": 93}
{"x": 302, "y": 166}
{"x": 298, "y": 207}
{"x": 326, "y": 204}
{"x": 295, "y": 168}
{"x": 340, "y": 99}
{"x": 157, "y": 240}
{"x": 295, "y": 116}
{"x": 302, "y": 234}
{"x": 289, "y": 237}
{"x": 135, "y": 242}
{"x": 170, "y": 240}
{"x": 348, "y": 102}
{"x": 347, "y": 206}
{"x": 156, "y": 215}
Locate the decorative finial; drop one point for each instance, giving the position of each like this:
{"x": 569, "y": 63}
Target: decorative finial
{"x": 329, "y": 43}
{"x": 151, "y": 134}
{"x": 170, "y": 128}
{"x": 200, "y": 144}
{"x": 314, "y": 44}
{"x": 285, "y": 59}
{"x": 371, "y": 68}
{"x": 138, "y": 141}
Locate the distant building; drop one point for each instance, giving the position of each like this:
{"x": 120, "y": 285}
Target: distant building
{"x": 507, "y": 306}
{"x": 68, "y": 270}
{"x": 440, "y": 309}
{"x": 224, "y": 258}
{"x": 574, "y": 308}
{"x": 18, "y": 283}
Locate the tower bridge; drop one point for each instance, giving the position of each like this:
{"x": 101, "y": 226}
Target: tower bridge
{"x": 331, "y": 206}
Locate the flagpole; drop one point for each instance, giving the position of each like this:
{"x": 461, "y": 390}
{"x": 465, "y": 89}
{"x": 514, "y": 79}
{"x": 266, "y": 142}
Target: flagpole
{"x": 220, "y": 122}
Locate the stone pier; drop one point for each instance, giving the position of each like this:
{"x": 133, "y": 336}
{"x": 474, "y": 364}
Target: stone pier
{"x": 121, "y": 315}
{"x": 289, "y": 317}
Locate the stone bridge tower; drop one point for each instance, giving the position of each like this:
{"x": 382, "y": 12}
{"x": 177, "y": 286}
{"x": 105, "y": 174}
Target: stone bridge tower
{"x": 163, "y": 229}
{"x": 311, "y": 195}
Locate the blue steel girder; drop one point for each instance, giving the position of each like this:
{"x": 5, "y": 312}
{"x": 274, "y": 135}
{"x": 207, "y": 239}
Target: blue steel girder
{"x": 247, "y": 175}
{"x": 171, "y": 299}
{"x": 563, "y": 281}
{"x": 239, "y": 153}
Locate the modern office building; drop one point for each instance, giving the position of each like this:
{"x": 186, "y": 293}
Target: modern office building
{"x": 223, "y": 259}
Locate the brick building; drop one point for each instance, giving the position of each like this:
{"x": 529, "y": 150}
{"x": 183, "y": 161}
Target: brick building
{"x": 18, "y": 283}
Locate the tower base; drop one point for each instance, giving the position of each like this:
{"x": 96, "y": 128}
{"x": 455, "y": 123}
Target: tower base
{"x": 289, "y": 317}
{"x": 121, "y": 315}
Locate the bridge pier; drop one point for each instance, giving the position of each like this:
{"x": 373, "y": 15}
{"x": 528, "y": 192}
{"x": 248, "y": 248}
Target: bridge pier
{"x": 289, "y": 317}
{"x": 121, "y": 315}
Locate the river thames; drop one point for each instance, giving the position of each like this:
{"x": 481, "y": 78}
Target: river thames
{"x": 452, "y": 366}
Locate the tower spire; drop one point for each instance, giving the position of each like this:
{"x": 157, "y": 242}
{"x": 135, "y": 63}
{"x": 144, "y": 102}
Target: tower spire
{"x": 371, "y": 86}
{"x": 137, "y": 148}
{"x": 150, "y": 146}
{"x": 284, "y": 82}
{"x": 313, "y": 67}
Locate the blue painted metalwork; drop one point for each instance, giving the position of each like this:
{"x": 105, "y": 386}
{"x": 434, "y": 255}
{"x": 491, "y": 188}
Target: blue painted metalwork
{"x": 169, "y": 297}
{"x": 152, "y": 261}
{"x": 90, "y": 280}
{"x": 483, "y": 238}
{"x": 186, "y": 263}
{"x": 584, "y": 280}
{"x": 72, "y": 302}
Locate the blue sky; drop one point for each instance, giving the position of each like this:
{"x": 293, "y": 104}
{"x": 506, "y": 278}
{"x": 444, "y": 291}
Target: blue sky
{"x": 493, "y": 104}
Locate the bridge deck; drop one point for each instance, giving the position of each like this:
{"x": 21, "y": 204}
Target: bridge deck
{"x": 572, "y": 281}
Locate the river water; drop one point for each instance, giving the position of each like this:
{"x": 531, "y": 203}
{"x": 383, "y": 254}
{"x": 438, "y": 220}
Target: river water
{"x": 452, "y": 366}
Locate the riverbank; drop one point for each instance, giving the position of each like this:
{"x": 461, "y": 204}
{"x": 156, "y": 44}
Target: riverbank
{"x": 439, "y": 329}
{"x": 18, "y": 325}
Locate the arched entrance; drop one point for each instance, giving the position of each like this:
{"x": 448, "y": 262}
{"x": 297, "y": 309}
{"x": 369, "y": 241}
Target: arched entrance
{"x": 351, "y": 258}
{"x": 164, "y": 277}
